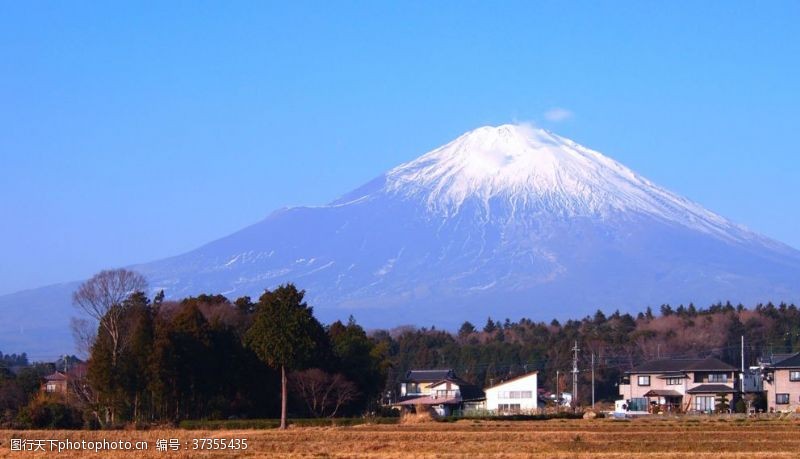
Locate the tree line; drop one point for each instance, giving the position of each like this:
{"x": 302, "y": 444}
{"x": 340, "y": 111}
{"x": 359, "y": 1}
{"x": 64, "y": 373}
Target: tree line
{"x": 203, "y": 357}
{"x": 207, "y": 357}
{"x": 500, "y": 349}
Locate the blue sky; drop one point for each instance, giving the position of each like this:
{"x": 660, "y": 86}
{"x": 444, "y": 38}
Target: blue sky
{"x": 136, "y": 131}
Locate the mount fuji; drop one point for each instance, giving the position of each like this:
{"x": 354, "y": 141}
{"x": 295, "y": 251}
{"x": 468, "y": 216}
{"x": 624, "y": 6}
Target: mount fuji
{"x": 508, "y": 221}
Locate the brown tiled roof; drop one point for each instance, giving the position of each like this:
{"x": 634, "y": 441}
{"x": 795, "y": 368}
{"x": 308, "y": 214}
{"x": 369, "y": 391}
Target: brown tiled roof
{"x": 431, "y": 400}
{"x": 663, "y": 393}
{"x": 57, "y": 376}
{"x": 409, "y": 397}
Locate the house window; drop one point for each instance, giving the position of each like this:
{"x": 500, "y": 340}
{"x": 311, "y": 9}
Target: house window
{"x": 412, "y": 388}
{"x": 704, "y": 403}
{"x": 718, "y": 377}
{"x": 673, "y": 381}
{"x": 781, "y": 399}
{"x": 644, "y": 380}
{"x": 515, "y": 394}
{"x": 509, "y": 407}
{"x": 51, "y": 387}
{"x": 794, "y": 375}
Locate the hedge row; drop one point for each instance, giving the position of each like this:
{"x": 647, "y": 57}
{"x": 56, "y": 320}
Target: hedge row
{"x": 274, "y": 423}
{"x": 516, "y": 417}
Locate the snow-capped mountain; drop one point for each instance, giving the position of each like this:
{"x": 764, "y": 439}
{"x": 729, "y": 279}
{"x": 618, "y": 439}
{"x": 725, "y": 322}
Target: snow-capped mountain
{"x": 507, "y": 221}
{"x": 519, "y": 169}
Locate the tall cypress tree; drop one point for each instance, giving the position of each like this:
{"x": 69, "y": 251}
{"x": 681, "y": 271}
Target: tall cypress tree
{"x": 284, "y": 334}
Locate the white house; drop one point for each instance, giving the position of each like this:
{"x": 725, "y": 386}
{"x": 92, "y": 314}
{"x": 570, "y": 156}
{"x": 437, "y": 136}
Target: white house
{"x": 516, "y": 395}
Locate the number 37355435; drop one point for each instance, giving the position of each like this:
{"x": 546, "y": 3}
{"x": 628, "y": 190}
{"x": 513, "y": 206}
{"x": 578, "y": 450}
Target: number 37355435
{"x": 219, "y": 443}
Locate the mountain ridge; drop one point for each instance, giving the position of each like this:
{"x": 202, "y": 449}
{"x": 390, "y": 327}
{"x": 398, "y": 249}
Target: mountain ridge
{"x": 504, "y": 221}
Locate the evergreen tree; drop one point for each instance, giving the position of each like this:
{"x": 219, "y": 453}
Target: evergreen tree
{"x": 466, "y": 329}
{"x": 355, "y": 356}
{"x": 284, "y": 333}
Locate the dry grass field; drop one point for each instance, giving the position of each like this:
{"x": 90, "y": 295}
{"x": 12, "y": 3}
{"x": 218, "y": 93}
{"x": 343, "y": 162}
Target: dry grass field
{"x": 654, "y": 437}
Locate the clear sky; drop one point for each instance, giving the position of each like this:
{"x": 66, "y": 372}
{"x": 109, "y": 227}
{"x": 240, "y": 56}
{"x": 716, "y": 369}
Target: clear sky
{"x": 131, "y": 132}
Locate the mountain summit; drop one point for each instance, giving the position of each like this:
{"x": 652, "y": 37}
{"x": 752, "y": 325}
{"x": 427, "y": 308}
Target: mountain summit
{"x": 508, "y": 221}
{"x": 518, "y": 168}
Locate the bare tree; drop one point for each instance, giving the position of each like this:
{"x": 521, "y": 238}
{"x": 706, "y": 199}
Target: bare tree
{"x": 343, "y": 392}
{"x": 83, "y": 332}
{"x": 82, "y": 393}
{"x": 100, "y": 298}
{"x": 323, "y": 393}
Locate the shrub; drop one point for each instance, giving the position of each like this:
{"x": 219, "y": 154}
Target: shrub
{"x": 741, "y": 406}
{"x": 45, "y": 413}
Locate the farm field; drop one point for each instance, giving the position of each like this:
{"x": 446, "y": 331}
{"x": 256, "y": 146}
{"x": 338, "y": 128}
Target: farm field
{"x": 655, "y": 437}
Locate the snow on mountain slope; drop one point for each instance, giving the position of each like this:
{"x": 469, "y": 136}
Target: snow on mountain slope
{"x": 505, "y": 221}
{"x": 532, "y": 170}
{"x": 499, "y": 209}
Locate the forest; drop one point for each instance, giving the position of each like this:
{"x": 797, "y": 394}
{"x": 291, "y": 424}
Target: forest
{"x": 152, "y": 361}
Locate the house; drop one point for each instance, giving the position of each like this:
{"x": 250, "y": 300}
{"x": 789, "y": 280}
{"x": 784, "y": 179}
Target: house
{"x": 418, "y": 382}
{"x": 516, "y": 395}
{"x": 55, "y": 383}
{"x": 61, "y": 382}
{"x": 439, "y": 390}
{"x": 679, "y": 385}
{"x": 782, "y": 383}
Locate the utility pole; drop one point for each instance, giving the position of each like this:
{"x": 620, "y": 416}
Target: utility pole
{"x": 742, "y": 353}
{"x": 593, "y": 380}
{"x": 575, "y": 376}
{"x": 741, "y": 387}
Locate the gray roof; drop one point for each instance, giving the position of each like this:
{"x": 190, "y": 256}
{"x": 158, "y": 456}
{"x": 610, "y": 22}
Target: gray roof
{"x": 471, "y": 392}
{"x": 711, "y": 389}
{"x": 790, "y": 362}
{"x": 775, "y": 358}
{"x": 428, "y": 375}
{"x": 468, "y": 391}
{"x": 682, "y": 365}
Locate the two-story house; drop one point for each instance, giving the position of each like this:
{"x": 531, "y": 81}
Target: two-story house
{"x": 417, "y": 383}
{"x": 440, "y": 390}
{"x": 782, "y": 383}
{"x": 679, "y": 385}
{"x": 516, "y": 395}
